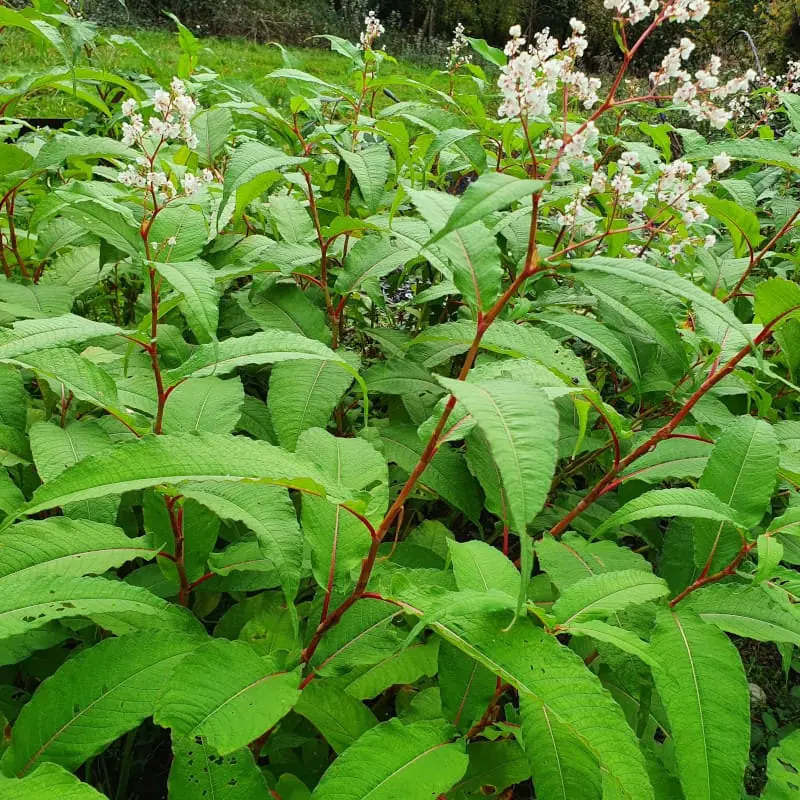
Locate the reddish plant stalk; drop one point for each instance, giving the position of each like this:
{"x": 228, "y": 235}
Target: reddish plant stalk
{"x": 176, "y": 523}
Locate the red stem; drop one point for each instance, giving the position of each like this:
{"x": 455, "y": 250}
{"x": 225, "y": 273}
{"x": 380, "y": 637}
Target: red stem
{"x": 176, "y": 523}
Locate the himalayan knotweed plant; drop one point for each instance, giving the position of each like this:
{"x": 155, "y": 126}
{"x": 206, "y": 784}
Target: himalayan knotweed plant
{"x": 385, "y": 442}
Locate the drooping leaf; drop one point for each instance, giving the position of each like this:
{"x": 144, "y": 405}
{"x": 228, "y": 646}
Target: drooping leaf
{"x": 492, "y": 765}
{"x": 392, "y": 760}
{"x": 174, "y": 459}
{"x": 404, "y": 667}
{"x": 48, "y": 780}
{"x": 660, "y": 503}
{"x": 370, "y": 168}
{"x": 268, "y": 512}
{"x": 93, "y": 698}
{"x": 483, "y": 568}
{"x": 466, "y": 686}
{"x": 702, "y": 685}
{"x": 225, "y": 694}
{"x": 197, "y": 771}
{"x": 204, "y": 404}
{"x": 543, "y": 671}
{"x": 599, "y": 596}
{"x": 370, "y": 258}
{"x": 200, "y": 301}
{"x": 32, "y": 335}
{"x": 783, "y": 767}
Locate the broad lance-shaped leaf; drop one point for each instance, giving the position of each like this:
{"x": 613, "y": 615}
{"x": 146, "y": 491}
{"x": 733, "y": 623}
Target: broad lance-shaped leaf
{"x": 641, "y": 273}
{"x": 703, "y": 687}
{"x": 544, "y": 671}
{"x": 561, "y": 766}
{"x": 61, "y": 546}
{"x": 392, "y": 760}
{"x": 48, "y": 780}
{"x": 521, "y": 428}
{"x": 371, "y": 258}
{"x": 197, "y": 771}
{"x": 338, "y": 716}
{"x": 660, "y": 503}
{"x": 599, "y": 596}
{"x": 370, "y": 167}
{"x": 672, "y": 458}
{"x": 200, "y": 304}
{"x": 783, "y": 769}
{"x": 80, "y": 375}
{"x": 742, "y": 471}
{"x": 204, "y": 404}
{"x": 269, "y": 513}
{"x": 250, "y": 161}
{"x": 746, "y": 611}
{"x": 226, "y": 694}
{"x": 482, "y": 568}
{"x": 32, "y": 335}
{"x": 175, "y": 458}
{"x": 621, "y": 638}
{"x": 597, "y": 335}
{"x": 466, "y": 687}
{"x": 27, "y": 604}
{"x": 303, "y": 395}
{"x": 491, "y": 192}
{"x": 94, "y": 698}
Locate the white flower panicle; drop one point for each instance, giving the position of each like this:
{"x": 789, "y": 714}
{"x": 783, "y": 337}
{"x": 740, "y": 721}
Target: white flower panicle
{"x": 680, "y": 11}
{"x": 456, "y": 57}
{"x": 171, "y": 121}
{"x": 535, "y": 72}
{"x": 372, "y": 30}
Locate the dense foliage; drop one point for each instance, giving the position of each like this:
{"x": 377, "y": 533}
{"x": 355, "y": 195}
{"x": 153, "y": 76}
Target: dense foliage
{"x": 439, "y": 448}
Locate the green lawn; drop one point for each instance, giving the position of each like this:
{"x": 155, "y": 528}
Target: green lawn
{"x": 231, "y": 58}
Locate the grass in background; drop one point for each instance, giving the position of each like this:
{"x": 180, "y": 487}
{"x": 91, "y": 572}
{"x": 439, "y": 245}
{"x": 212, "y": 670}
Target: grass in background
{"x": 232, "y": 59}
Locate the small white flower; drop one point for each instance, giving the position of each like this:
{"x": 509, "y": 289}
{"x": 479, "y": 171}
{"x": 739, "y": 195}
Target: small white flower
{"x": 709, "y": 241}
{"x": 628, "y": 159}
{"x": 128, "y": 107}
{"x": 191, "y": 184}
{"x": 722, "y": 162}
{"x": 172, "y": 241}
{"x": 638, "y": 202}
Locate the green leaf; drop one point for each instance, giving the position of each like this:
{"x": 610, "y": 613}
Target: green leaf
{"x": 32, "y": 335}
{"x": 48, "y": 780}
{"x": 757, "y": 151}
{"x": 337, "y": 715}
{"x": 622, "y": 639}
{"x": 492, "y": 192}
{"x": 672, "y": 458}
{"x": 18, "y": 300}
{"x": 173, "y": 459}
{"x": 783, "y": 767}
{"x": 60, "y": 546}
{"x": 337, "y": 540}
{"x": 703, "y": 687}
{"x": 288, "y": 308}
{"x": 742, "y": 224}
{"x": 27, "y": 604}
{"x": 303, "y": 395}
{"x": 405, "y": 667}
{"x": 370, "y": 258}
{"x": 227, "y": 695}
{"x": 269, "y": 513}
{"x": 572, "y": 558}
{"x": 113, "y": 222}
{"x": 197, "y": 771}
{"x": 447, "y": 474}
{"x": 370, "y": 167}
{"x": 483, "y": 568}
{"x": 774, "y": 297}
{"x": 291, "y": 219}
{"x": 521, "y": 428}
{"x": 267, "y": 347}
{"x": 392, "y": 760}
{"x": 599, "y": 596}
{"x": 544, "y": 671}
{"x": 94, "y": 698}
{"x": 745, "y": 611}
{"x": 661, "y": 503}
{"x": 212, "y": 128}
{"x": 248, "y": 163}
{"x": 466, "y": 686}
{"x": 742, "y": 471}
{"x": 200, "y": 304}
{"x": 13, "y": 399}
{"x": 561, "y": 766}
{"x": 65, "y": 146}
{"x": 597, "y": 335}
{"x": 640, "y": 273}
{"x": 492, "y": 766}
{"x": 79, "y": 375}
{"x": 492, "y": 54}
{"x": 204, "y": 404}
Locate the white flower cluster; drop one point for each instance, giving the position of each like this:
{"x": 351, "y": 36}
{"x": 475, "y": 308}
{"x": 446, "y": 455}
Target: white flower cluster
{"x": 456, "y": 57}
{"x": 372, "y": 30}
{"x": 534, "y": 73}
{"x": 172, "y": 120}
{"x": 681, "y": 11}
{"x": 705, "y": 92}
